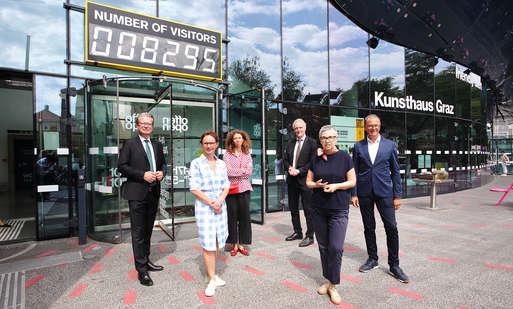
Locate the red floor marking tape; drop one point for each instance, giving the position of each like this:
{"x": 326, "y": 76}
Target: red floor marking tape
{"x": 508, "y": 226}
{"x": 505, "y": 267}
{"x": 449, "y": 226}
{"x": 162, "y": 249}
{"x": 46, "y": 253}
{"x": 186, "y": 276}
{"x": 129, "y": 298}
{"x": 109, "y": 252}
{"x": 31, "y": 282}
{"x": 301, "y": 265}
{"x": 416, "y": 296}
{"x": 479, "y": 225}
{"x": 197, "y": 248}
{"x": 252, "y": 270}
{"x": 350, "y": 248}
{"x": 91, "y": 247}
{"x": 205, "y": 299}
{"x": 346, "y": 306}
{"x": 172, "y": 260}
{"x": 464, "y": 308}
{"x": 222, "y": 258}
{"x": 352, "y": 279}
{"x": 76, "y": 292}
{"x": 132, "y": 274}
{"x": 294, "y": 286}
{"x": 96, "y": 268}
{"x": 264, "y": 255}
{"x": 131, "y": 258}
{"x": 271, "y": 239}
{"x": 441, "y": 259}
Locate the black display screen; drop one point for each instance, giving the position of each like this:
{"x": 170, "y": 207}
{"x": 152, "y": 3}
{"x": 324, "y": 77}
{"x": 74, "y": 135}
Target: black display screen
{"x": 131, "y": 41}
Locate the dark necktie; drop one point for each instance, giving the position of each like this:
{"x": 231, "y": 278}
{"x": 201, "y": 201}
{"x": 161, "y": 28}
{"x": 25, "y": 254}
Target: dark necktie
{"x": 148, "y": 154}
{"x": 298, "y": 150}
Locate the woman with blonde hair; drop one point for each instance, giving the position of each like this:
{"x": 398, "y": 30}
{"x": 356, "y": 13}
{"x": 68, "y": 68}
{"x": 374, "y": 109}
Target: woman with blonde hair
{"x": 240, "y": 167}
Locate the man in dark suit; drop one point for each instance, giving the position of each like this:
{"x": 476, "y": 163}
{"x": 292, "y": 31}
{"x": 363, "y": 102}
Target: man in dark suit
{"x": 296, "y": 161}
{"x": 378, "y": 182}
{"x": 142, "y": 162}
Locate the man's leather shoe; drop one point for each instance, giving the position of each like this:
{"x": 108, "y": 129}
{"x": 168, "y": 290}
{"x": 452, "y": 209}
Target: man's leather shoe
{"x": 145, "y": 279}
{"x": 154, "y": 267}
{"x": 370, "y": 264}
{"x": 399, "y": 274}
{"x": 294, "y": 236}
{"x": 307, "y": 241}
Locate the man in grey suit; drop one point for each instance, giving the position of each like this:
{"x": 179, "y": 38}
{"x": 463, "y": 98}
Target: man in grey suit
{"x": 378, "y": 182}
{"x": 142, "y": 162}
{"x": 296, "y": 161}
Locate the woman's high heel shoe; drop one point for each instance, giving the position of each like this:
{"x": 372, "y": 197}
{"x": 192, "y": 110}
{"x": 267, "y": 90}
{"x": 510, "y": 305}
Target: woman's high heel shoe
{"x": 244, "y": 251}
{"x": 234, "y": 251}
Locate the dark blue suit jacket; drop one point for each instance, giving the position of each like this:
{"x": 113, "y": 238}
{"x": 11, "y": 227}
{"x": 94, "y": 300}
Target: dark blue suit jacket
{"x": 382, "y": 178}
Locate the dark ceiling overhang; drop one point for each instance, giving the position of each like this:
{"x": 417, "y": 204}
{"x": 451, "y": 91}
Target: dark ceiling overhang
{"x": 477, "y": 34}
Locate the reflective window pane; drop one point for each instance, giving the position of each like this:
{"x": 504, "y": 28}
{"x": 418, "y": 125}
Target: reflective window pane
{"x": 305, "y": 54}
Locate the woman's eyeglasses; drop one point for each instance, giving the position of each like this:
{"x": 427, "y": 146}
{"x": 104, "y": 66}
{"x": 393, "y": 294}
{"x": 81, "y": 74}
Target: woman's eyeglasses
{"x": 325, "y": 138}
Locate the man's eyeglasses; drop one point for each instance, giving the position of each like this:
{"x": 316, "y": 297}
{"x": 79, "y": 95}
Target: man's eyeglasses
{"x": 146, "y": 124}
{"x": 373, "y": 126}
{"x": 209, "y": 143}
{"x": 325, "y": 138}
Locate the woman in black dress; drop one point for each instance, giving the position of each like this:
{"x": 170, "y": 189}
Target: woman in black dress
{"x": 331, "y": 177}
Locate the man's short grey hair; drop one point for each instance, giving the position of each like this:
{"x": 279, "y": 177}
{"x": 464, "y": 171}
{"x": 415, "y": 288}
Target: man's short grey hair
{"x": 145, "y": 114}
{"x": 373, "y": 116}
{"x": 298, "y": 120}
{"x": 327, "y": 128}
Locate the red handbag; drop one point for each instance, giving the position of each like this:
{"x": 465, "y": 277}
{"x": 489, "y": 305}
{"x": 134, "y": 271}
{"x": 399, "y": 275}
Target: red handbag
{"x": 234, "y": 188}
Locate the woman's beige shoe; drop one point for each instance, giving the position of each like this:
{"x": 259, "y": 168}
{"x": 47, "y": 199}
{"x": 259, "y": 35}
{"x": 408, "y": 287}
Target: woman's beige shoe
{"x": 334, "y": 296}
{"x": 323, "y": 289}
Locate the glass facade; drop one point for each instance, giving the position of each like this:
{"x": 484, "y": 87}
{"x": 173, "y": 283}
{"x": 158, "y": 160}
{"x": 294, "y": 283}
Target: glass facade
{"x": 311, "y": 61}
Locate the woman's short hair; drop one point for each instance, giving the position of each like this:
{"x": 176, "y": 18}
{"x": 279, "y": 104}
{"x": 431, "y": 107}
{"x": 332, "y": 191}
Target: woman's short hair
{"x": 211, "y": 133}
{"x": 325, "y": 128}
{"x": 246, "y": 141}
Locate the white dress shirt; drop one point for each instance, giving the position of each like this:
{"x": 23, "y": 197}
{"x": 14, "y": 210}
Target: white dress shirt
{"x": 373, "y": 148}
{"x": 151, "y": 150}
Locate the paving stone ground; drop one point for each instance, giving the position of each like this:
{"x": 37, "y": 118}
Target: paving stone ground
{"x": 458, "y": 256}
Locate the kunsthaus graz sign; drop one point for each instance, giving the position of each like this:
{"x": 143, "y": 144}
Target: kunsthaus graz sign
{"x": 411, "y": 104}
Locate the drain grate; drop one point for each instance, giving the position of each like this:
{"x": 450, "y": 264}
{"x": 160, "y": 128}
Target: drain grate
{"x": 12, "y": 290}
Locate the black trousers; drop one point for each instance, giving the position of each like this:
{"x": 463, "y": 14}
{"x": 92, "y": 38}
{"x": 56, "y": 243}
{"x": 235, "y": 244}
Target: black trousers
{"x": 330, "y": 231}
{"x": 295, "y": 192}
{"x": 239, "y": 221}
{"x": 142, "y": 217}
{"x": 386, "y": 210}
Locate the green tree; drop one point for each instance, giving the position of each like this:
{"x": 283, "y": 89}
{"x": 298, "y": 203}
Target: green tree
{"x": 293, "y": 84}
{"x": 249, "y": 71}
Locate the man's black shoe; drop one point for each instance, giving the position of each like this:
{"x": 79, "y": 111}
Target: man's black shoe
{"x": 369, "y": 265}
{"x": 145, "y": 279}
{"x": 154, "y": 267}
{"x": 307, "y": 241}
{"x": 399, "y": 274}
{"x": 294, "y": 236}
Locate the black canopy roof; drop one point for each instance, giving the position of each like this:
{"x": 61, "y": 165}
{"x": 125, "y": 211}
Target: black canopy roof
{"x": 475, "y": 33}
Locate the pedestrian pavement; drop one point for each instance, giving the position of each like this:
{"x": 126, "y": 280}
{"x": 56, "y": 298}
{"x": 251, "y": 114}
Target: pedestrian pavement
{"x": 459, "y": 255}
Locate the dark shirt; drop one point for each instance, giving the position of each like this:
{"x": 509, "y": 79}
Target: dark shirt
{"x": 334, "y": 170}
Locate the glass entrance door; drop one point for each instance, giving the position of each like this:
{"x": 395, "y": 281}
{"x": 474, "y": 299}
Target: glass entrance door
{"x": 182, "y": 112}
{"x": 17, "y": 158}
{"x": 246, "y": 112}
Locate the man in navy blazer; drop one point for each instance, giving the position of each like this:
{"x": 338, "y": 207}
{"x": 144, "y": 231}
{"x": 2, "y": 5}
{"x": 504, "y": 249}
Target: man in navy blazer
{"x": 378, "y": 182}
{"x": 142, "y": 162}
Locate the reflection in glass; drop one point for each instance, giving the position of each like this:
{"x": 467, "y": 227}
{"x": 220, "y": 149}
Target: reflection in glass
{"x": 349, "y": 61}
{"x": 52, "y": 173}
{"x": 45, "y": 22}
{"x": 386, "y": 72}
{"x": 305, "y": 54}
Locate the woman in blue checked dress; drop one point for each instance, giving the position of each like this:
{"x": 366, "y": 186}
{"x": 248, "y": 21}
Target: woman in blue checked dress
{"x": 209, "y": 184}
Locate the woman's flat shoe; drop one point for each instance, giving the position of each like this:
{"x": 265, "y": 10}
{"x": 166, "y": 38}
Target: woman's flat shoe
{"x": 244, "y": 251}
{"x": 234, "y": 251}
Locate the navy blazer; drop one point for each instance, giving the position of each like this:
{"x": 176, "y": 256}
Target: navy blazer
{"x": 133, "y": 163}
{"x": 381, "y": 178}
